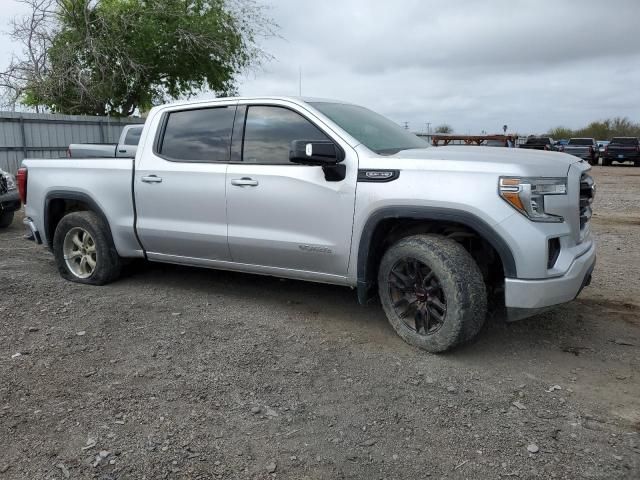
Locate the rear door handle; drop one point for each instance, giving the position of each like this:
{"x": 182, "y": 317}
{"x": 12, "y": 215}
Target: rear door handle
{"x": 152, "y": 179}
{"x": 244, "y": 182}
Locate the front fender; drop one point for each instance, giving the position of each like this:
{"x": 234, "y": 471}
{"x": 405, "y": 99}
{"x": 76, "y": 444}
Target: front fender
{"x": 366, "y": 271}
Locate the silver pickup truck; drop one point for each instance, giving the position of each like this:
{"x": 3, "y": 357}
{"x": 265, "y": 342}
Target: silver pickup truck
{"x": 125, "y": 148}
{"x": 329, "y": 192}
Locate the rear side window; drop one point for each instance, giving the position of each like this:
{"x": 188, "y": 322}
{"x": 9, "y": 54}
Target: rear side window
{"x": 202, "y": 135}
{"x": 624, "y": 141}
{"x": 539, "y": 141}
{"x": 269, "y": 131}
{"x": 133, "y": 136}
{"x": 581, "y": 141}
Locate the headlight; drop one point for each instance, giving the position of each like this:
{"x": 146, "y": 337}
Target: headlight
{"x": 527, "y": 194}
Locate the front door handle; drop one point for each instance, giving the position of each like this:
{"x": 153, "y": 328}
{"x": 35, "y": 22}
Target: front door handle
{"x": 152, "y": 179}
{"x": 244, "y": 182}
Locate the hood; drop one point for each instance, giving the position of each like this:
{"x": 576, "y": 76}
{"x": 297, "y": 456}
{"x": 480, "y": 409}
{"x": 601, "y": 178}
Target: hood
{"x": 504, "y": 161}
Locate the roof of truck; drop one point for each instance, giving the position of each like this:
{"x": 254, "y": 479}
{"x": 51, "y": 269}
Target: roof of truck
{"x": 292, "y": 99}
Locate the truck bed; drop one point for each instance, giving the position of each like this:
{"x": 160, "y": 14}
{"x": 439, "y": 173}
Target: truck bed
{"x": 105, "y": 180}
{"x": 92, "y": 150}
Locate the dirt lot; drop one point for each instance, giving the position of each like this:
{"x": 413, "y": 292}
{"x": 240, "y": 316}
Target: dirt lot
{"x": 184, "y": 373}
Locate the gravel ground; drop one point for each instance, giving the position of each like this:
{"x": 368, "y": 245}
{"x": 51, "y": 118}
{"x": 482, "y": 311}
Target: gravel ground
{"x": 183, "y": 373}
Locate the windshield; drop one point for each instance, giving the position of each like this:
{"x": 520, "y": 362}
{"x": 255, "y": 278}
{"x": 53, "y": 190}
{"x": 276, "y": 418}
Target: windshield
{"x": 371, "y": 129}
{"x": 580, "y": 141}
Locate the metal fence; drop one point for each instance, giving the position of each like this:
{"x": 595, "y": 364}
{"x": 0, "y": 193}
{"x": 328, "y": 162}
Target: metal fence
{"x": 43, "y": 135}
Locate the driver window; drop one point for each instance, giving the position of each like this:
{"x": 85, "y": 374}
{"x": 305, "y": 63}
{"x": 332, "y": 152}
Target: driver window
{"x": 269, "y": 131}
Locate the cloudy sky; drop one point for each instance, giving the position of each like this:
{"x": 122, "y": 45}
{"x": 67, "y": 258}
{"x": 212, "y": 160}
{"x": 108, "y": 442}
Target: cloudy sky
{"x": 474, "y": 65}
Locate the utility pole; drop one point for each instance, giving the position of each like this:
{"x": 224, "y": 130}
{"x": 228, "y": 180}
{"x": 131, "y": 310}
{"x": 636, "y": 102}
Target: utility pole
{"x": 428, "y": 124}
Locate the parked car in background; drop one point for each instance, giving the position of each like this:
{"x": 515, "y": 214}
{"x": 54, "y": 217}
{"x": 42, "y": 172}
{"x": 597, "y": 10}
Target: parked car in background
{"x": 539, "y": 143}
{"x": 237, "y": 184}
{"x": 125, "y": 148}
{"x": 9, "y": 198}
{"x": 622, "y": 149}
{"x": 585, "y": 148}
{"x": 561, "y": 143}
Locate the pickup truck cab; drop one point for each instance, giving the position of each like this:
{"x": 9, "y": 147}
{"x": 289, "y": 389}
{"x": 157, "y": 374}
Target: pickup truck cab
{"x": 539, "y": 143}
{"x": 331, "y": 192}
{"x": 585, "y": 148}
{"x": 125, "y": 148}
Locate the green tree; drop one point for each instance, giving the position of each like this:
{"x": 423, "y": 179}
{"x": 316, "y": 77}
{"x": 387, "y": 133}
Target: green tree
{"x": 444, "y": 128}
{"x": 600, "y": 130}
{"x": 560, "y": 132}
{"x": 116, "y": 56}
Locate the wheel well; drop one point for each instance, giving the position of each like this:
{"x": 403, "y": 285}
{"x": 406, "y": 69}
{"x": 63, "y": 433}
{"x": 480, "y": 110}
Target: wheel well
{"x": 391, "y": 230}
{"x": 60, "y": 203}
{"x": 59, "y": 207}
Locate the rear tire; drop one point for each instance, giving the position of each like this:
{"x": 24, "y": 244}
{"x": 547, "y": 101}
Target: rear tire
{"x": 445, "y": 275}
{"x": 84, "y": 250}
{"x": 6, "y": 219}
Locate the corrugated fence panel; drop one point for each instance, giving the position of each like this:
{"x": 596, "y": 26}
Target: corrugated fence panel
{"x": 49, "y": 135}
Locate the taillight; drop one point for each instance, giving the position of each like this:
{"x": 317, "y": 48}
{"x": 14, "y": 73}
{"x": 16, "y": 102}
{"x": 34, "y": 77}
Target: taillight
{"x": 637, "y": 148}
{"x": 21, "y": 178}
{"x": 546, "y": 147}
{"x": 561, "y": 148}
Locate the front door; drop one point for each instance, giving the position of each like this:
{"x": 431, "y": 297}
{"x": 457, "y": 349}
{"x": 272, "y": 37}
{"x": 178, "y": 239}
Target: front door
{"x": 180, "y": 187}
{"x": 283, "y": 215}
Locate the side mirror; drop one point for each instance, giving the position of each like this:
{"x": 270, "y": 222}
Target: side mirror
{"x": 318, "y": 153}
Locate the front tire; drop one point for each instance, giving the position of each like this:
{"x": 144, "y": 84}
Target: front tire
{"x": 6, "y": 219}
{"x": 84, "y": 250}
{"x": 432, "y": 292}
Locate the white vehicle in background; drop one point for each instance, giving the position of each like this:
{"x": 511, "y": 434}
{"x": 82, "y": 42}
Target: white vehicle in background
{"x": 330, "y": 192}
{"x": 602, "y": 147}
{"x": 126, "y": 147}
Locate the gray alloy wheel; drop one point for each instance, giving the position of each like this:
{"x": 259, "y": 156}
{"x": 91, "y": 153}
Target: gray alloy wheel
{"x": 80, "y": 252}
{"x": 84, "y": 250}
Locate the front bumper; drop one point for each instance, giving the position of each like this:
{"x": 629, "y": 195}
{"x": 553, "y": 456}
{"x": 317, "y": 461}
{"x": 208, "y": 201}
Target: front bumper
{"x": 524, "y": 298}
{"x": 10, "y": 201}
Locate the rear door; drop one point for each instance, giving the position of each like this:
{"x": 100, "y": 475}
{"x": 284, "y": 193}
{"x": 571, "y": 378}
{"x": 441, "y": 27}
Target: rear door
{"x": 283, "y": 215}
{"x": 179, "y": 186}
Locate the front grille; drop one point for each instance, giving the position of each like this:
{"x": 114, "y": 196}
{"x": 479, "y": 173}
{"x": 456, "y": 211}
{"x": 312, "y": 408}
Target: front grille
{"x": 587, "y": 195}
